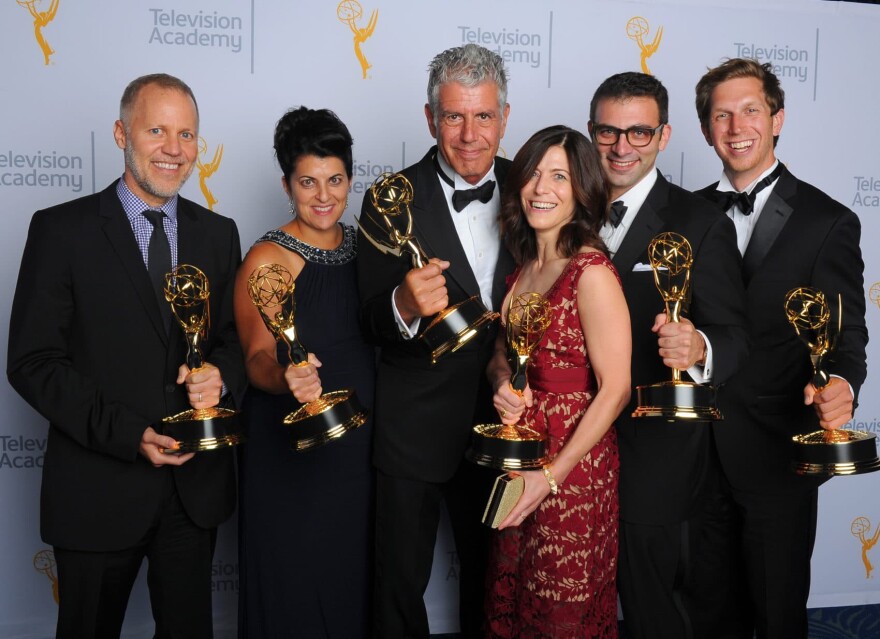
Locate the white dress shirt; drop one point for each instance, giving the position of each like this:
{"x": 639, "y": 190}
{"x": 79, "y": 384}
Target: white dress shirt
{"x": 745, "y": 224}
{"x": 477, "y": 229}
{"x": 613, "y": 238}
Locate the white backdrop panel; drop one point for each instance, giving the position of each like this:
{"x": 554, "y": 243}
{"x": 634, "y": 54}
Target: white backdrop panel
{"x": 248, "y": 61}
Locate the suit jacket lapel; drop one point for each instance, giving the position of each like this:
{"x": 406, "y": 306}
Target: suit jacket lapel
{"x": 773, "y": 217}
{"x": 191, "y": 249}
{"x": 505, "y": 264}
{"x": 645, "y": 226}
{"x": 118, "y": 231}
{"x": 433, "y": 224}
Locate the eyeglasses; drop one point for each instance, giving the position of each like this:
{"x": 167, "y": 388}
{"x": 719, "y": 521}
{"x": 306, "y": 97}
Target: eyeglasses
{"x": 637, "y": 136}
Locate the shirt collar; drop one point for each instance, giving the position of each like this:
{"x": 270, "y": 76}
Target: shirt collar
{"x": 724, "y": 183}
{"x": 636, "y": 196}
{"x": 133, "y": 205}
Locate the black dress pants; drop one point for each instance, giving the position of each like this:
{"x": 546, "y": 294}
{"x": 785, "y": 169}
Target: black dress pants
{"x": 94, "y": 587}
{"x": 407, "y": 518}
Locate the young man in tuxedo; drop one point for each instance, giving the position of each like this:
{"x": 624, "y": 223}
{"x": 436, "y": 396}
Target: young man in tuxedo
{"x": 93, "y": 348}
{"x": 665, "y": 467}
{"x": 420, "y": 442}
{"x": 791, "y": 235}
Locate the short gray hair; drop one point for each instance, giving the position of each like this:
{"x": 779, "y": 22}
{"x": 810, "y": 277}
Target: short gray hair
{"x": 162, "y": 80}
{"x": 469, "y": 65}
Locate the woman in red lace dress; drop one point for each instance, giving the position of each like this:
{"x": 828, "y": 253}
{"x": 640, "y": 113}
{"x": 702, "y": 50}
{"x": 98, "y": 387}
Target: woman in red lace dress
{"x": 552, "y": 573}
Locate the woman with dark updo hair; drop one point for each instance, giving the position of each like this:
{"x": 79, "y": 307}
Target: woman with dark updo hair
{"x": 554, "y": 558}
{"x": 306, "y": 518}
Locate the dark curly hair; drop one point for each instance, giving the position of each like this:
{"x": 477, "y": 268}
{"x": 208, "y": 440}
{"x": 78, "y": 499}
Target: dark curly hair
{"x": 588, "y": 186}
{"x": 319, "y": 132}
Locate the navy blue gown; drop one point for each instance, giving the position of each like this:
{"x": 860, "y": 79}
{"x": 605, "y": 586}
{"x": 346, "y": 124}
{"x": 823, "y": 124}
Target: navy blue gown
{"x": 306, "y": 518}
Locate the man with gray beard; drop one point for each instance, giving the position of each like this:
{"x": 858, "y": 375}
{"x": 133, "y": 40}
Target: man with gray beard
{"x": 93, "y": 348}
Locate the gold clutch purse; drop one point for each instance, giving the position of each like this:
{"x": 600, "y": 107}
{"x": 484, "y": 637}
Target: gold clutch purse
{"x": 505, "y": 493}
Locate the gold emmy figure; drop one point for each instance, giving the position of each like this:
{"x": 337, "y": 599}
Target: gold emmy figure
{"x": 44, "y": 562}
{"x": 207, "y": 170}
{"x": 41, "y": 19}
{"x": 825, "y": 452}
{"x": 515, "y": 446}
{"x": 333, "y": 414}
{"x": 671, "y": 258}
{"x": 196, "y": 429}
{"x": 636, "y": 28}
{"x": 874, "y": 293}
{"x": 861, "y": 526}
{"x": 391, "y": 195}
{"x": 349, "y": 11}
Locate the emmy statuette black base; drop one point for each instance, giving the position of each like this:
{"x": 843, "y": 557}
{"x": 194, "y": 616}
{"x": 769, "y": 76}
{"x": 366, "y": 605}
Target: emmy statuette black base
{"x": 678, "y": 401}
{"x": 456, "y": 326}
{"x": 327, "y": 418}
{"x": 837, "y": 452}
{"x": 202, "y": 429}
{"x": 491, "y": 446}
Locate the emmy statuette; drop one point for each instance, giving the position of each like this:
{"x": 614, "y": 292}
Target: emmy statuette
{"x": 333, "y": 414}
{"x": 515, "y": 446}
{"x": 825, "y": 452}
{"x": 196, "y": 429}
{"x": 671, "y": 258}
{"x": 391, "y": 195}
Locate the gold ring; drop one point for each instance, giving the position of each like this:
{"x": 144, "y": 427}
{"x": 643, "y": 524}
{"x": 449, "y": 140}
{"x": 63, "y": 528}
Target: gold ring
{"x": 503, "y": 413}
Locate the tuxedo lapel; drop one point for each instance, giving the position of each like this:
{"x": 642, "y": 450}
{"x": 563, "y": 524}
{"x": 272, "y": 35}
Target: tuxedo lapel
{"x": 505, "y": 264}
{"x": 773, "y": 218}
{"x": 435, "y": 230}
{"x": 644, "y": 227}
{"x": 118, "y": 231}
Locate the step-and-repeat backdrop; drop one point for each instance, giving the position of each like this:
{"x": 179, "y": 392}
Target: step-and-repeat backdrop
{"x": 65, "y": 64}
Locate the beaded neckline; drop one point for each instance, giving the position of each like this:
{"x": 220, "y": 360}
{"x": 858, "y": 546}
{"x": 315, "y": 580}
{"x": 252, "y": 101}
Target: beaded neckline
{"x": 342, "y": 254}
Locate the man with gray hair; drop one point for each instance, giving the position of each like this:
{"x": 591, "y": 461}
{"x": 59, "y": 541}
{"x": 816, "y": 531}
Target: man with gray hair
{"x": 420, "y": 441}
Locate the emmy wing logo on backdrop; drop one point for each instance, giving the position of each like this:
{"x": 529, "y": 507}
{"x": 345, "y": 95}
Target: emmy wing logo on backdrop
{"x": 874, "y": 293}
{"x": 44, "y": 562}
{"x": 349, "y": 12}
{"x": 41, "y": 19}
{"x": 206, "y": 170}
{"x": 861, "y": 530}
{"x": 636, "y": 29}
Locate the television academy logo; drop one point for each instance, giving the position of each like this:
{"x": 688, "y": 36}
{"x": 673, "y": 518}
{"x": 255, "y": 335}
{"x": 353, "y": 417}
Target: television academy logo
{"x": 206, "y": 170}
{"x": 349, "y": 11}
{"x": 41, "y": 19}
{"x": 636, "y": 29}
{"x": 861, "y": 530}
{"x": 44, "y": 562}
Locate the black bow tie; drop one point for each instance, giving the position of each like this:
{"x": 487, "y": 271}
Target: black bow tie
{"x": 615, "y": 215}
{"x": 483, "y": 193}
{"x": 745, "y": 202}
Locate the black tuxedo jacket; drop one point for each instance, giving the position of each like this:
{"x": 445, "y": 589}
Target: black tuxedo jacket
{"x": 803, "y": 238}
{"x": 425, "y": 412}
{"x": 88, "y": 350}
{"x": 664, "y": 465}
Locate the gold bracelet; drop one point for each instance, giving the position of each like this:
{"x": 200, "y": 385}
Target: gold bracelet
{"x": 554, "y": 487}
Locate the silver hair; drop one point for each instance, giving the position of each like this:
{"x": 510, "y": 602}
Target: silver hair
{"x": 469, "y": 65}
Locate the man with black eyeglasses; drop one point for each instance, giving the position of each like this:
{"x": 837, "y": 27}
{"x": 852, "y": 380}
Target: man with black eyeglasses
{"x": 666, "y": 468}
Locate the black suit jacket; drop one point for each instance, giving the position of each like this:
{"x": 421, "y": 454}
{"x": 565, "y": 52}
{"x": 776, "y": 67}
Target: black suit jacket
{"x": 664, "y": 465}
{"x": 88, "y": 350}
{"x": 425, "y": 412}
{"x": 803, "y": 238}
